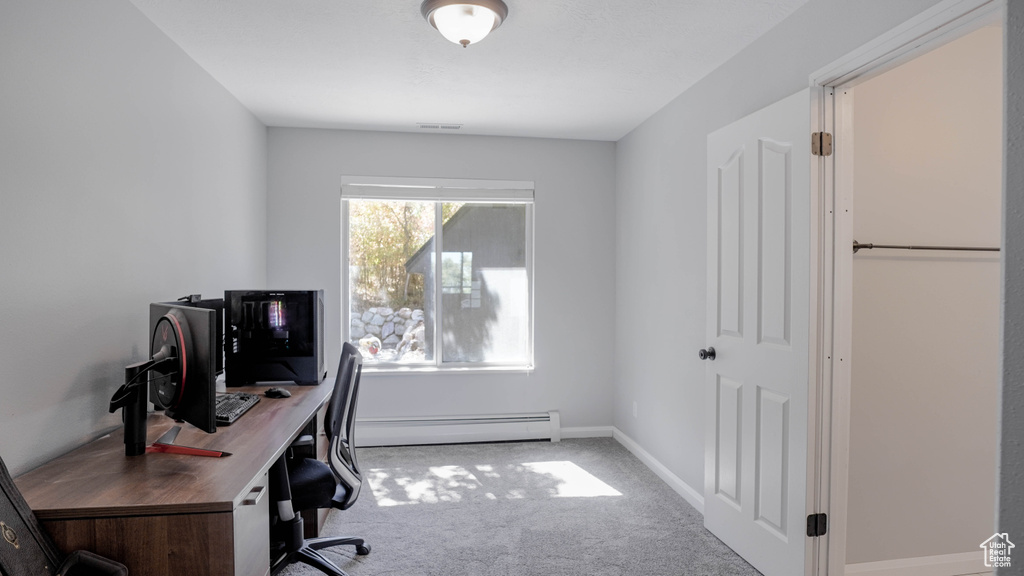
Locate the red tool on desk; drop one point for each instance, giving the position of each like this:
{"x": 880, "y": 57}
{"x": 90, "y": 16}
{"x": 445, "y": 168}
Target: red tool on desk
{"x": 166, "y": 445}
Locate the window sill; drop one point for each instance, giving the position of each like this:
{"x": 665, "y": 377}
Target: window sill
{"x": 434, "y": 370}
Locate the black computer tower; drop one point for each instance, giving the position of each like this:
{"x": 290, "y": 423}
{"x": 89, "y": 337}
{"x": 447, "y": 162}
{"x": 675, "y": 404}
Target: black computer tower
{"x": 274, "y": 336}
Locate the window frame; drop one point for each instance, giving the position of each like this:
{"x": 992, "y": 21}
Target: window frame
{"x": 438, "y": 191}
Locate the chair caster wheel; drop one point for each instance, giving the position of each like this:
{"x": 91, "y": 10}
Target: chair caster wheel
{"x": 363, "y": 550}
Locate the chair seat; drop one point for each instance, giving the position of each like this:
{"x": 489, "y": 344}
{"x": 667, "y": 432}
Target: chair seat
{"x": 312, "y": 483}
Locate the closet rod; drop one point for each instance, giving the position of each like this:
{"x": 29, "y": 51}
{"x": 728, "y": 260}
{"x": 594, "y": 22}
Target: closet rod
{"x": 858, "y": 246}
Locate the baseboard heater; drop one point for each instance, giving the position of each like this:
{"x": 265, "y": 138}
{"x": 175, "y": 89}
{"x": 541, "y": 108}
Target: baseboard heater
{"x": 456, "y": 429}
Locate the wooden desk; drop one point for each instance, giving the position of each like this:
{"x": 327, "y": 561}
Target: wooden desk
{"x": 168, "y": 514}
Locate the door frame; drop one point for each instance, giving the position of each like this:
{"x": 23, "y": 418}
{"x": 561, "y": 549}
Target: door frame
{"x": 832, "y": 255}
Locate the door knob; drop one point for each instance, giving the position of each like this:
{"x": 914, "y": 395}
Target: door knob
{"x": 707, "y": 353}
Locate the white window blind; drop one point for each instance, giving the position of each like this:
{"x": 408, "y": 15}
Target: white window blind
{"x": 436, "y": 190}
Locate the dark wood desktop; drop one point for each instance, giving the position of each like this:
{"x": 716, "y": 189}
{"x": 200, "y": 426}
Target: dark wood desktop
{"x": 168, "y": 514}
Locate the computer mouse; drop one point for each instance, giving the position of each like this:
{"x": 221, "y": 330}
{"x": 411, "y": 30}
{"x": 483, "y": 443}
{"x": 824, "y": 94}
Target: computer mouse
{"x": 277, "y": 393}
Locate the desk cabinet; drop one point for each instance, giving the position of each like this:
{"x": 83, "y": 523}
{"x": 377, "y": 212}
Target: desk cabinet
{"x": 172, "y": 545}
{"x": 313, "y": 520}
{"x": 169, "y": 514}
{"x": 166, "y": 545}
{"x": 249, "y": 526}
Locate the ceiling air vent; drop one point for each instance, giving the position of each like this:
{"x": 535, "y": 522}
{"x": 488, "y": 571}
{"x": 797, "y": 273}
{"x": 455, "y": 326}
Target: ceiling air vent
{"x": 434, "y": 126}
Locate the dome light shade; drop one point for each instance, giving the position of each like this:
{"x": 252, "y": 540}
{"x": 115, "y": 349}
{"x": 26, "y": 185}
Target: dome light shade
{"x": 464, "y": 21}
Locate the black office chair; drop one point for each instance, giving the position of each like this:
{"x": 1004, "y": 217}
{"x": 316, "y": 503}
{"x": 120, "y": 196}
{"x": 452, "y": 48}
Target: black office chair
{"x": 305, "y": 483}
{"x": 27, "y": 550}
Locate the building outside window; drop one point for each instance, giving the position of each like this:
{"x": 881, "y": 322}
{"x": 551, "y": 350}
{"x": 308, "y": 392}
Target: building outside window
{"x": 438, "y": 276}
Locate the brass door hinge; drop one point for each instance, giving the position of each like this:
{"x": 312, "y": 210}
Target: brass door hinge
{"x": 821, "y": 144}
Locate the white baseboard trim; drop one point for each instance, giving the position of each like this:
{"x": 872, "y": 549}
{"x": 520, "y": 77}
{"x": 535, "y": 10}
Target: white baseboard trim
{"x": 694, "y": 497}
{"x": 455, "y": 429}
{"x": 588, "y": 432}
{"x": 941, "y": 565}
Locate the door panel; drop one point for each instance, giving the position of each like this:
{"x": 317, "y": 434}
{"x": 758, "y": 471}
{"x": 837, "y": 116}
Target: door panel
{"x": 772, "y": 457}
{"x": 728, "y": 441}
{"x": 773, "y": 304}
{"x": 759, "y": 278}
{"x": 729, "y": 195}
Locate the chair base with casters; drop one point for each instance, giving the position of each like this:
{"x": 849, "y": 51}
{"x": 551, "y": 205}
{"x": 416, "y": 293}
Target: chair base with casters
{"x": 288, "y": 545}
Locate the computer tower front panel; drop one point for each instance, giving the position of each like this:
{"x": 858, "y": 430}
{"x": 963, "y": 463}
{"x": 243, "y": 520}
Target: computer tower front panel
{"x": 274, "y": 336}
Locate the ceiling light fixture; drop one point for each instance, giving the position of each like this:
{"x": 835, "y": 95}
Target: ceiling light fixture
{"x": 464, "y": 21}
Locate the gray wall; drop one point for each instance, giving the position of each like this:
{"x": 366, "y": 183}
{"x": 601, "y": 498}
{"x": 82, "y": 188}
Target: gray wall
{"x": 574, "y": 270}
{"x": 1011, "y": 465}
{"x": 127, "y": 176}
{"x": 660, "y": 220}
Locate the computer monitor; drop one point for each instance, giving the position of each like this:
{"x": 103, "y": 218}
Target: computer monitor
{"x": 217, "y": 305}
{"x": 190, "y": 395}
{"x": 179, "y": 377}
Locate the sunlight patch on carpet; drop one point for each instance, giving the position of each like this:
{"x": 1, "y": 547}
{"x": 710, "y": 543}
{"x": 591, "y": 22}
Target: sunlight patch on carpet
{"x": 453, "y": 484}
{"x": 433, "y": 485}
{"x": 573, "y": 481}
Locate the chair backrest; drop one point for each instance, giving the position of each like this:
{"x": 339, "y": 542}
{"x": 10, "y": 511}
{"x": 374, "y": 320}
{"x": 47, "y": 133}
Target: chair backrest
{"x": 335, "y": 409}
{"x": 25, "y": 549}
{"x": 342, "y": 452}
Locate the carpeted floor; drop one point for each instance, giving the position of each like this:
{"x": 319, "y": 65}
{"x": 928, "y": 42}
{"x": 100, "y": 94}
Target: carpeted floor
{"x": 577, "y": 507}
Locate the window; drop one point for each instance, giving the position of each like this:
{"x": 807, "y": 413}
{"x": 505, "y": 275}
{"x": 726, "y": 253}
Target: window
{"x": 456, "y": 272}
{"x": 438, "y": 275}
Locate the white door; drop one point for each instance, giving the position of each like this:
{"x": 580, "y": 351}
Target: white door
{"x": 755, "y": 471}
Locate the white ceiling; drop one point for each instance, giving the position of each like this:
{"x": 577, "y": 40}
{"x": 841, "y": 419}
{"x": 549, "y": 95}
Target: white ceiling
{"x": 582, "y": 69}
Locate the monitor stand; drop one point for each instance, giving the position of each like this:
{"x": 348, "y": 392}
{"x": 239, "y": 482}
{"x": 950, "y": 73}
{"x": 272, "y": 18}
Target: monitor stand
{"x": 133, "y": 399}
{"x": 165, "y": 444}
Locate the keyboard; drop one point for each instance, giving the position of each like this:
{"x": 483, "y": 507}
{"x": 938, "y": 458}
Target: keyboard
{"x": 230, "y": 407}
